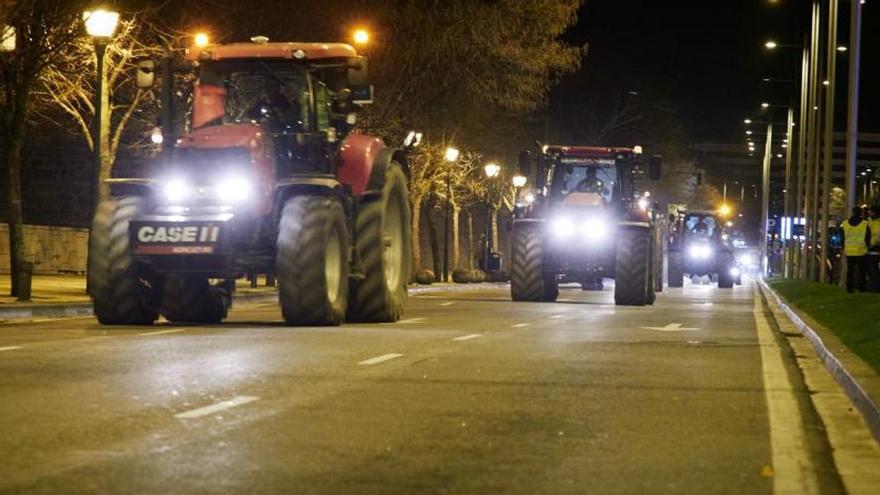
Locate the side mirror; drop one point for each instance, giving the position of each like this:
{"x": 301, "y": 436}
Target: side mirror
{"x": 146, "y": 74}
{"x": 358, "y": 73}
{"x": 654, "y": 167}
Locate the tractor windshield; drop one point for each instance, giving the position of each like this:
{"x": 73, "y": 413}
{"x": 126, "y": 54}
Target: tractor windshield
{"x": 702, "y": 226}
{"x": 595, "y": 179}
{"x": 262, "y": 91}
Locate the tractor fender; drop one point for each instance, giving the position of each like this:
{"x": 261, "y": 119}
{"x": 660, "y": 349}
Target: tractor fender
{"x": 358, "y": 157}
{"x": 380, "y": 165}
{"x": 529, "y": 222}
{"x": 315, "y": 185}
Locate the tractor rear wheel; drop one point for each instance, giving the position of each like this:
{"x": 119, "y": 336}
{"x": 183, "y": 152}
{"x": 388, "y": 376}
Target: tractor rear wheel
{"x": 193, "y": 299}
{"x": 528, "y": 279}
{"x": 675, "y": 269}
{"x": 383, "y": 243}
{"x": 632, "y": 268}
{"x": 123, "y": 291}
{"x": 312, "y": 261}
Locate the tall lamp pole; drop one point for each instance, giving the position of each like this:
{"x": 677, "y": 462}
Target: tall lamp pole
{"x": 831, "y": 72}
{"x": 765, "y": 196}
{"x": 451, "y": 157}
{"x": 852, "y": 128}
{"x": 492, "y": 170}
{"x": 100, "y": 25}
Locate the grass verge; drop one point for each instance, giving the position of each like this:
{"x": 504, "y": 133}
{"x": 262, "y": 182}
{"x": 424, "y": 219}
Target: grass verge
{"x": 854, "y": 318}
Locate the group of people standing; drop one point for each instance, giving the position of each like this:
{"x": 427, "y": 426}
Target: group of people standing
{"x": 862, "y": 249}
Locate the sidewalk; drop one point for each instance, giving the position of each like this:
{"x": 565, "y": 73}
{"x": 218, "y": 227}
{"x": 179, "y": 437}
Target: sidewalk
{"x": 59, "y": 296}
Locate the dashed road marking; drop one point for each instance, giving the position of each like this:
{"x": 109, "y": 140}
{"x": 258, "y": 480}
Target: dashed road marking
{"x": 420, "y": 319}
{"x": 556, "y": 317}
{"x": 379, "y": 359}
{"x": 162, "y": 332}
{"x": 10, "y": 348}
{"x": 448, "y": 303}
{"x": 215, "y": 408}
{"x": 468, "y": 337}
{"x": 521, "y": 325}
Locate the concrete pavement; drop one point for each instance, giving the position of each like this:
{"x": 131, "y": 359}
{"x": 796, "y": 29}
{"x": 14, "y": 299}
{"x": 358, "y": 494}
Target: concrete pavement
{"x": 469, "y": 393}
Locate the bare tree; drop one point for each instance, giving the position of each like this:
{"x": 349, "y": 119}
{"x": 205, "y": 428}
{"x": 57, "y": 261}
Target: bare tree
{"x": 43, "y": 29}
{"x": 69, "y": 85}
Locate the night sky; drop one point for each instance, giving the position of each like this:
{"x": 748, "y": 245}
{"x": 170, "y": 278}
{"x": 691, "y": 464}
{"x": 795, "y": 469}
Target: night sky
{"x": 707, "y": 57}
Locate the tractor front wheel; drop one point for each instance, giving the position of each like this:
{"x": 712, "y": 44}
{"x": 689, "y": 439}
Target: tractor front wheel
{"x": 632, "y": 269}
{"x": 123, "y": 291}
{"x": 193, "y": 299}
{"x": 529, "y": 281}
{"x": 312, "y": 261}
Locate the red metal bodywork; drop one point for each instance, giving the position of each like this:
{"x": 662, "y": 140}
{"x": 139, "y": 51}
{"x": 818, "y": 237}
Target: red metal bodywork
{"x": 272, "y": 50}
{"x": 250, "y": 137}
{"x": 358, "y": 154}
{"x": 208, "y": 104}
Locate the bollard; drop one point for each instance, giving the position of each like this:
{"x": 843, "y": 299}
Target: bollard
{"x": 25, "y": 275}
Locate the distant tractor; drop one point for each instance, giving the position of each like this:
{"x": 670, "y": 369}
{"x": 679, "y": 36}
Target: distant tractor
{"x": 586, "y": 219}
{"x": 699, "y": 247}
{"x": 267, "y": 179}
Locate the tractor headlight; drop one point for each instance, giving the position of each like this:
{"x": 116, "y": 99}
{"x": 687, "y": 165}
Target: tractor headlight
{"x": 176, "y": 190}
{"x": 233, "y": 189}
{"x": 563, "y": 227}
{"x": 700, "y": 252}
{"x": 734, "y": 271}
{"x": 746, "y": 259}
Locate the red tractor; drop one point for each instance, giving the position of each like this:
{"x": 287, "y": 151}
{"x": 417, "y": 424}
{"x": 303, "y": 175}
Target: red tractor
{"x": 586, "y": 219}
{"x": 267, "y": 179}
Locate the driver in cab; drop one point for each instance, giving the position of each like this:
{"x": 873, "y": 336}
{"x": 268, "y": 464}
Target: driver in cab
{"x": 275, "y": 107}
{"x": 591, "y": 183}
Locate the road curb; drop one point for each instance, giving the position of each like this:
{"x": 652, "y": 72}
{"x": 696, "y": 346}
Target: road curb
{"x": 70, "y": 310}
{"x": 863, "y": 401}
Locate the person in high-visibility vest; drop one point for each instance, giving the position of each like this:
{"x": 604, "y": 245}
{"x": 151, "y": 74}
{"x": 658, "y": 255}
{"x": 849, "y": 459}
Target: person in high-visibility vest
{"x": 856, "y": 237}
{"x": 873, "y": 258}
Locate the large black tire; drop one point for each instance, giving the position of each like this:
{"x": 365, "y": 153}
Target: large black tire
{"x": 123, "y": 292}
{"x": 312, "y": 261}
{"x": 192, "y": 299}
{"x": 529, "y": 281}
{"x": 384, "y": 246}
{"x": 632, "y": 268}
{"x": 675, "y": 269}
{"x": 725, "y": 278}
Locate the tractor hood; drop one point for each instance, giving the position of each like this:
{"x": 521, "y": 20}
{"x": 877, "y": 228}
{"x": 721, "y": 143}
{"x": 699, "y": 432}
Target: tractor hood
{"x": 250, "y": 136}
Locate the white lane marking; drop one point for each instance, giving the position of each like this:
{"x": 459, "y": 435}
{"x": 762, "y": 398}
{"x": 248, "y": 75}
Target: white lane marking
{"x": 379, "y": 359}
{"x": 448, "y": 303}
{"x": 792, "y": 467}
{"x": 556, "y": 317}
{"x": 672, "y": 327}
{"x": 420, "y": 319}
{"x": 10, "y": 348}
{"x": 214, "y": 408}
{"x": 565, "y": 299}
{"x": 521, "y": 325}
{"x": 468, "y": 337}
{"x": 162, "y": 332}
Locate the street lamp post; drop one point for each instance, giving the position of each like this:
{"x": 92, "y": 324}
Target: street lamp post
{"x": 451, "y": 156}
{"x": 831, "y": 73}
{"x": 100, "y": 25}
{"x": 852, "y": 128}
{"x": 765, "y": 196}
{"x": 492, "y": 170}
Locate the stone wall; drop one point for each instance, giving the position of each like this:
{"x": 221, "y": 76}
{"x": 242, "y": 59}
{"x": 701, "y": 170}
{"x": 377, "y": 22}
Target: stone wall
{"x": 51, "y": 249}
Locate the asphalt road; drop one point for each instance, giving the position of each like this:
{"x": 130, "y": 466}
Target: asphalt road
{"x": 470, "y": 393}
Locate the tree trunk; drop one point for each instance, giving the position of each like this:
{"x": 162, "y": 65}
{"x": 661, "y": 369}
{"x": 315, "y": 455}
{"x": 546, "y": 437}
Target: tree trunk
{"x": 495, "y": 241}
{"x": 456, "y": 232}
{"x": 15, "y": 217}
{"x": 106, "y": 150}
{"x": 416, "y": 233}
{"x": 469, "y": 218}
{"x": 435, "y": 245}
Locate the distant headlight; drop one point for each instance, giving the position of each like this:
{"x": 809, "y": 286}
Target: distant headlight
{"x": 700, "y": 252}
{"x": 529, "y": 198}
{"x": 176, "y": 190}
{"x": 233, "y": 190}
{"x": 563, "y": 227}
{"x": 734, "y": 271}
{"x": 746, "y": 259}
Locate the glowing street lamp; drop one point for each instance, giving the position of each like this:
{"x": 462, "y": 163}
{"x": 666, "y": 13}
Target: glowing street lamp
{"x": 519, "y": 181}
{"x": 492, "y": 170}
{"x": 771, "y": 45}
{"x": 360, "y": 37}
{"x": 451, "y": 154}
{"x": 100, "y": 23}
{"x": 201, "y": 40}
